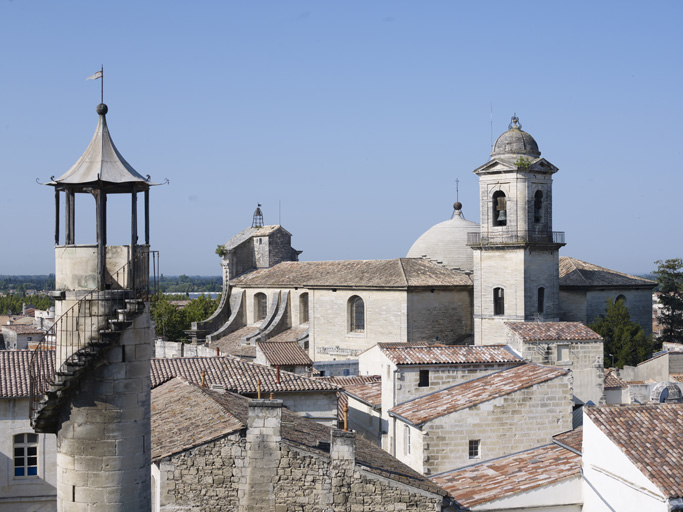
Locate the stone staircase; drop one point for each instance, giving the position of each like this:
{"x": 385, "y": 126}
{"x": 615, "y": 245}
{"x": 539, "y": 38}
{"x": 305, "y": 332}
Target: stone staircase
{"x": 51, "y": 393}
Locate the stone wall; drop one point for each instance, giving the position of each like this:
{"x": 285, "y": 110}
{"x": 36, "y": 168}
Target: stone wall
{"x": 385, "y": 321}
{"x": 440, "y": 377}
{"x": 263, "y": 472}
{"x": 441, "y": 315}
{"x": 583, "y": 358}
{"x": 587, "y": 305}
{"x": 168, "y": 349}
{"x": 511, "y": 423}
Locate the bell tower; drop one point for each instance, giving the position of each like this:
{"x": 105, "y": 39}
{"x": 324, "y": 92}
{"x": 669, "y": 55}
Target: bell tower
{"x": 516, "y": 252}
{"x": 97, "y": 398}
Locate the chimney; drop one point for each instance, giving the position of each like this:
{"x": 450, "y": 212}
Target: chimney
{"x": 343, "y": 446}
{"x": 263, "y": 455}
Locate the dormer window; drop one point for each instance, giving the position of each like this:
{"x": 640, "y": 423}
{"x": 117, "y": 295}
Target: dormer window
{"x": 499, "y": 208}
{"x": 538, "y": 207}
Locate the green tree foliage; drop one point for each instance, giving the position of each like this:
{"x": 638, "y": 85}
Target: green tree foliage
{"x": 172, "y": 321}
{"x": 670, "y": 278}
{"x": 624, "y": 339}
{"x": 186, "y": 284}
{"x": 12, "y": 304}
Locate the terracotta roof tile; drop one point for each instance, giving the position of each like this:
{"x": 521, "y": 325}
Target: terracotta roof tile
{"x": 295, "y": 430}
{"x": 348, "y": 381}
{"x": 577, "y": 273}
{"x": 613, "y": 381}
{"x": 236, "y": 375}
{"x": 551, "y": 331}
{"x": 369, "y": 392}
{"x": 473, "y": 392}
{"x": 284, "y": 353}
{"x": 650, "y": 436}
{"x": 293, "y": 334}
{"x": 24, "y": 329}
{"x": 178, "y": 424}
{"x": 399, "y": 273}
{"x": 450, "y": 354}
{"x": 232, "y": 344}
{"x": 572, "y": 439}
{"x": 510, "y": 475}
{"x": 15, "y": 371}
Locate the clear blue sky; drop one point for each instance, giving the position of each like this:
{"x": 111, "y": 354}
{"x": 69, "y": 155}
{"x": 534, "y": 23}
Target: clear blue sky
{"x": 357, "y": 116}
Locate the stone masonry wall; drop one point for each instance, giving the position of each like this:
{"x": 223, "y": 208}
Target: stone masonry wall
{"x": 207, "y": 479}
{"x": 511, "y": 423}
{"x": 442, "y": 315}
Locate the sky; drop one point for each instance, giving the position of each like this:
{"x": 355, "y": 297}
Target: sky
{"x": 349, "y": 121}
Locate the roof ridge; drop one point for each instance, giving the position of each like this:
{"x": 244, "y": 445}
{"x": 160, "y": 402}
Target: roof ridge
{"x": 403, "y": 270}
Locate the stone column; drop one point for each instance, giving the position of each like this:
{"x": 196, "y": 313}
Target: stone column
{"x": 263, "y": 456}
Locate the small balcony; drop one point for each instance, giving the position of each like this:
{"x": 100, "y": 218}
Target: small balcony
{"x": 516, "y": 238}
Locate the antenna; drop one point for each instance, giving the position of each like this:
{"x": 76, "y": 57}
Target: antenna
{"x": 457, "y": 189}
{"x": 491, "y": 127}
{"x": 102, "y": 85}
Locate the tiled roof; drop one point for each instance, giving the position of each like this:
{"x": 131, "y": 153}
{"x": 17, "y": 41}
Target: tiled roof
{"x": 236, "y": 375}
{"x": 650, "y": 436}
{"x": 246, "y": 234}
{"x": 510, "y": 475}
{"x": 24, "y": 329}
{"x": 292, "y": 334}
{"x": 232, "y": 343}
{"x": 551, "y": 331}
{"x": 178, "y": 424}
{"x": 399, "y": 273}
{"x": 450, "y": 354}
{"x": 572, "y": 439}
{"x": 579, "y": 273}
{"x": 283, "y": 353}
{"x": 14, "y": 371}
{"x": 612, "y": 381}
{"x": 369, "y": 392}
{"x": 295, "y": 430}
{"x": 348, "y": 381}
{"x": 473, "y": 392}
{"x": 654, "y": 356}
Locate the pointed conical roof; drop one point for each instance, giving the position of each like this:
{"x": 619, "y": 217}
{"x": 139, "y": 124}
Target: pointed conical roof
{"x": 101, "y": 165}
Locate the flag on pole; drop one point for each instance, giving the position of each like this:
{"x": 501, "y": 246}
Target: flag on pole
{"x": 95, "y": 76}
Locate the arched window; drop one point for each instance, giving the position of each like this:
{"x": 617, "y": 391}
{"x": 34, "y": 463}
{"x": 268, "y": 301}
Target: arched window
{"x": 499, "y": 208}
{"x": 260, "y": 307}
{"x": 538, "y": 207}
{"x": 26, "y": 455}
{"x": 498, "y": 301}
{"x": 303, "y": 308}
{"x": 621, "y": 298}
{"x": 541, "y": 300}
{"x": 356, "y": 314}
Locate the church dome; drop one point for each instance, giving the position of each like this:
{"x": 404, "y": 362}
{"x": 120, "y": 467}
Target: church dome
{"x": 515, "y": 142}
{"x": 446, "y": 243}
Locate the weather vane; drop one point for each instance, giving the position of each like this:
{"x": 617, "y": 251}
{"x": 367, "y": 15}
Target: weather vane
{"x": 100, "y": 75}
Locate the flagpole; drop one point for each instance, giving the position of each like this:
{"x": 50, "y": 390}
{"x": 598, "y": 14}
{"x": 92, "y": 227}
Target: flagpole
{"x": 102, "y": 85}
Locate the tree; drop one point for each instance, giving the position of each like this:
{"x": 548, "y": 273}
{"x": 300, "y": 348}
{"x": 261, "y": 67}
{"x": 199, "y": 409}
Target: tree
{"x": 172, "y": 322}
{"x": 623, "y": 338}
{"x": 670, "y": 278}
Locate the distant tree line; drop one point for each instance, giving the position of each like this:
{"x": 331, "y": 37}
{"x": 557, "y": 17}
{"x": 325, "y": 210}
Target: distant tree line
{"x": 12, "y": 304}
{"x": 172, "y": 320}
{"x": 186, "y": 284}
{"x": 19, "y": 284}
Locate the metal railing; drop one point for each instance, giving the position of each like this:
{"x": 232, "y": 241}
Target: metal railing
{"x": 515, "y": 237}
{"x": 83, "y": 328}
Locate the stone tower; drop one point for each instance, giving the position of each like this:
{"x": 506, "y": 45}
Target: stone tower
{"x": 516, "y": 252}
{"x": 98, "y": 400}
